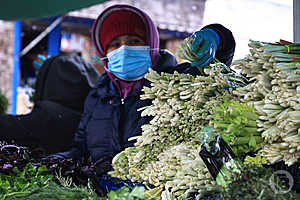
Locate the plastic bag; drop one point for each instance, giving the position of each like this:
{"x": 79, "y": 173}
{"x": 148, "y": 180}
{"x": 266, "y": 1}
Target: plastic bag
{"x": 108, "y": 183}
{"x": 218, "y": 157}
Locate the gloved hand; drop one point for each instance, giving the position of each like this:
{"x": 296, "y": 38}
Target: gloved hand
{"x": 204, "y": 46}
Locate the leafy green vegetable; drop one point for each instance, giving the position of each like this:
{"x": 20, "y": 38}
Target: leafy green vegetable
{"x": 53, "y": 191}
{"x": 237, "y": 124}
{"x": 37, "y": 182}
{"x": 23, "y": 182}
{"x": 257, "y": 183}
{"x": 137, "y": 193}
{"x": 258, "y": 160}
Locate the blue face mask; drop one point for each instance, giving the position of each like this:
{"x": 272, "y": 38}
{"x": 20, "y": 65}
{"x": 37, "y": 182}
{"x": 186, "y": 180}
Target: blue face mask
{"x": 129, "y": 63}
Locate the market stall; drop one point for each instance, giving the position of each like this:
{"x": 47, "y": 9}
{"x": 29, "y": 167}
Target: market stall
{"x": 205, "y": 132}
{"x": 217, "y": 135}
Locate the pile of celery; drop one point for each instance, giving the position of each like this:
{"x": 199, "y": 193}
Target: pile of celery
{"x": 274, "y": 70}
{"x": 166, "y": 155}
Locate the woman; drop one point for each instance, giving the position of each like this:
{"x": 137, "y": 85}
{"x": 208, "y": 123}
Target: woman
{"x": 128, "y": 42}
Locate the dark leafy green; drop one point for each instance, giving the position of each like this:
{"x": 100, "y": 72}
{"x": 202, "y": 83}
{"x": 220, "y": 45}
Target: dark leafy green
{"x": 23, "y": 182}
{"x": 27, "y": 169}
{"x": 16, "y": 157}
{"x": 37, "y": 182}
{"x": 53, "y": 191}
{"x": 257, "y": 183}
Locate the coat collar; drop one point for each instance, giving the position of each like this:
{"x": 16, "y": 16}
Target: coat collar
{"x": 105, "y": 88}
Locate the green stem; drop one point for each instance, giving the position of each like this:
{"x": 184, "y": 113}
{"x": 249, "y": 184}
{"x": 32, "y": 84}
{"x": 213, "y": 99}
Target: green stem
{"x": 15, "y": 193}
{"x": 245, "y": 140}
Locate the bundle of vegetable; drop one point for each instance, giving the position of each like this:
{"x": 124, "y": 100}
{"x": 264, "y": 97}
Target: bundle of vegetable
{"x": 178, "y": 171}
{"x": 176, "y": 120}
{"x": 137, "y": 193}
{"x": 238, "y": 181}
{"x": 27, "y": 180}
{"x": 80, "y": 172}
{"x": 165, "y": 155}
{"x": 181, "y": 106}
{"x": 14, "y": 159}
{"x": 256, "y": 160}
{"x": 274, "y": 93}
{"x": 54, "y": 191}
{"x": 181, "y": 170}
{"x": 257, "y": 183}
{"x": 35, "y": 183}
{"x": 12, "y": 156}
{"x": 236, "y": 122}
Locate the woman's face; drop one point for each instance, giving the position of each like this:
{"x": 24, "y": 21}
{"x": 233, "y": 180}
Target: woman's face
{"x": 128, "y": 40}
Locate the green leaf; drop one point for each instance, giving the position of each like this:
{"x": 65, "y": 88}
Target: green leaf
{"x": 138, "y": 192}
{"x": 252, "y": 142}
{"x": 236, "y": 123}
{"x": 112, "y": 195}
{"x": 42, "y": 170}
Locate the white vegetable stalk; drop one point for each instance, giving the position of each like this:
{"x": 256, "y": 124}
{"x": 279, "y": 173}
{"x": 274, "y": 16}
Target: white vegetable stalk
{"x": 166, "y": 154}
{"x": 275, "y": 94}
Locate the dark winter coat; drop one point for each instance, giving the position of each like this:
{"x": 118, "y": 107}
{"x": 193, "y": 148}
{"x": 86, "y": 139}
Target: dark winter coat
{"x": 62, "y": 85}
{"x": 108, "y": 121}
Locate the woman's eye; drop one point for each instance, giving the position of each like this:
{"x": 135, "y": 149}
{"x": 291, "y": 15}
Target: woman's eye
{"x": 114, "y": 45}
{"x": 135, "y": 41}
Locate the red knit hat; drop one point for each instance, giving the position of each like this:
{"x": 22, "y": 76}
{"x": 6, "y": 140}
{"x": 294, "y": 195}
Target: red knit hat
{"x": 121, "y": 22}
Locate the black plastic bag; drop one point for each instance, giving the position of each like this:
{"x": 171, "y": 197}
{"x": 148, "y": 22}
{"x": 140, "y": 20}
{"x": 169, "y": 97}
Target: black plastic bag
{"x": 218, "y": 157}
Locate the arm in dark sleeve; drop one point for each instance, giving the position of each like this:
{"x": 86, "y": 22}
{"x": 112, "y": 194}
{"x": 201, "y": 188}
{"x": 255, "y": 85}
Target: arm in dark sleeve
{"x": 79, "y": 145}
{"x": 80, "y": 137}
{"x": 78, "y": 148}
{"x": 226, "y": 49}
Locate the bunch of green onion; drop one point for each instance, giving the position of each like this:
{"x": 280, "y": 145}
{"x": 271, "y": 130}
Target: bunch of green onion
{"x": 274, "y": 70}
{"x": 166, "y": 153}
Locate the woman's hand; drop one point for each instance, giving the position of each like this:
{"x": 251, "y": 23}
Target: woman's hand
{"x": 204, "y": 46}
